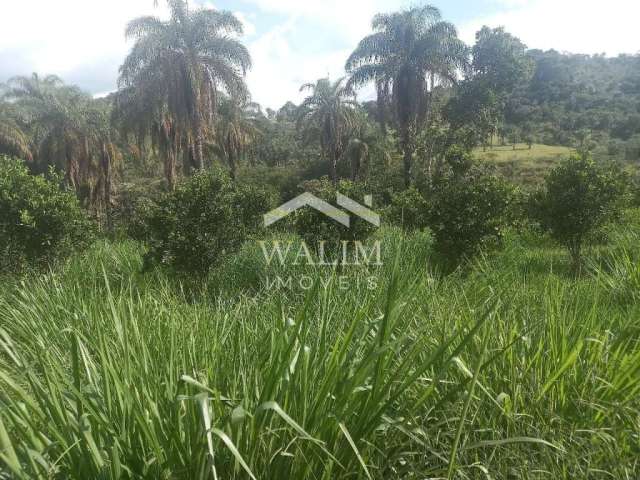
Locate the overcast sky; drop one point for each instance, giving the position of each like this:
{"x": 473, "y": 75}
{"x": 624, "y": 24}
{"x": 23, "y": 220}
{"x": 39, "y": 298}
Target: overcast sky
{"x": 291, "y": 41}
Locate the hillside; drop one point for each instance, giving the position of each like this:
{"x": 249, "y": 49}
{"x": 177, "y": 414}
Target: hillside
{"x": 523, "y": 165}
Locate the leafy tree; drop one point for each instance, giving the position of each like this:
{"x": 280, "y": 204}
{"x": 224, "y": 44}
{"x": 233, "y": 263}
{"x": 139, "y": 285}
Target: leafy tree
{"x": 39, "y": 221}
{"x": 279, "y": 143}
{"x": 204, "y": 219}
{"x": 500, "y": 59}
{"x": 578, "y": 198}
{"x": 469, "y": 210}
{"x": 328, "y": 113}
{"x": 409, "y": 209}
{"x": 500, "y": 65}
{"x": 409, "y": 55}
{"x": 176, "y": 68}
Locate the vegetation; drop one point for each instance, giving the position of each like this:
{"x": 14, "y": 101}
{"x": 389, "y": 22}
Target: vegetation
{"x": 151, "y": 327}
{"x": 312, "y": 227}
{"x": 52, "y": 124}
{"x": 578, "y": 198}
{"x": 409, "y": 55}
{"x": 329, "y": 113}
{"x": 40, "y": 222}
{"x": 469, "y": 210}
{"x": 170, "y": 80}
{"x": 206, "y": 218}
{"x": 409, "y": 209}
{"x": 507, "y": 369}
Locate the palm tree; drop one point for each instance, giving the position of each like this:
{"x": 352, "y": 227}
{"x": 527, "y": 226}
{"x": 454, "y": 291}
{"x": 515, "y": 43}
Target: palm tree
{"x": 67, "y": 129}
{"x": 15, "y": 99}
{"x": 13, "y": 138}
{"x": 236, "y": 131}
{"x": 137, "y": 115}
{"x": 329, "y": 113}
{"x": 179, "y": 65}
{"x": 357, "y": 152}
{"x": 103, "y": 152}
{"x": 411, "y": 53}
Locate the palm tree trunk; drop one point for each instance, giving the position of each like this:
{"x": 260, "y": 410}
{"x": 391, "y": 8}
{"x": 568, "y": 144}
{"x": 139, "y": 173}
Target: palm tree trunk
{"x": 72, "y": 169}
{"x": 382, "y": 116}
{"x": 408, "y": 155}
{"x": 187, "y": 162}
{"x": 355, "y": 167}
{"x": 198, "y": 153}
{"x": 383, "y": 94}
{"x": 170, "y": 168}
{"x": 232, "y": 166}
{"x": 198, "y": 132}
{"x": 407, "y": 148}
{"x": 333, "y": 168}
{"x": 106, "y": 174}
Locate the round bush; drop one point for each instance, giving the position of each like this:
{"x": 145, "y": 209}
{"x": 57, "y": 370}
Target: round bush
{"x": 409, "y": 210}
{"x": 468, "y": 212}
{"x": 205, "y": 219}
{"x": 314, "y": 227}
{"x": 578, "y": 199}
{"x": 40, "y": 222}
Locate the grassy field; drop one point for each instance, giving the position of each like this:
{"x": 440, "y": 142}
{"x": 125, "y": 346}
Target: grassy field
{"x": 523, "y": 165}
{"x": 511, "y": 369}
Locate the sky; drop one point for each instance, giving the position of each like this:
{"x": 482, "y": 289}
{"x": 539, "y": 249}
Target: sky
{"x": 292, "y": 42}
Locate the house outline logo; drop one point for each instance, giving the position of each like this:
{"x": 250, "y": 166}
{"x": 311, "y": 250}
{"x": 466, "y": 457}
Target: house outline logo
{"x": 309, "y": 200}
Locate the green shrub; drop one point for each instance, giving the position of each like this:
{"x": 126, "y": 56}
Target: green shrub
{"x": 280, "y": 181}
{"x": 458, "y": 159}
{"x": 206, "y": 218}
{"x": 132, "y": 205}
{"x": 141, "y": 211}
{"x": 635, "y": 190}
{"x": 40, "y": 222}
{"x": 409, "y": 210}
{"x": 578, "y": 199}
{"x": 314, "y": 227}
{"x": 469, "y": 211}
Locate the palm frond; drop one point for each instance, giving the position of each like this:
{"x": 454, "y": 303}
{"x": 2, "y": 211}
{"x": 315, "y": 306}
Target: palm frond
{"x": 143, "y": 26}
{"x": 215, "y": 22}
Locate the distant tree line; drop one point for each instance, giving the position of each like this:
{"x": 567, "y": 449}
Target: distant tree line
{"x": 183, "y": 108}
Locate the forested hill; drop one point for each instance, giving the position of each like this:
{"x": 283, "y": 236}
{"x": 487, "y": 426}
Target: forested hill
{"x": 576, "y": 98}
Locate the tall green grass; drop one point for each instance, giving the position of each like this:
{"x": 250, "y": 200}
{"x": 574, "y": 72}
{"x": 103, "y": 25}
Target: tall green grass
{"x": 509, "y": 369}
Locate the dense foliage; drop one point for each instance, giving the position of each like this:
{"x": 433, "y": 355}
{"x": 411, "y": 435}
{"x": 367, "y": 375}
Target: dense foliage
{"x": 570, "y": 95}
{"x": 578, "y": 198}
{"x": 205, "y": 219}
{"x": 40, "y": 222}
{"x": 468, "y": 211}
{"x": 422, "y": 377}
{"x": 230, "y": 364}
{"x": 314, "y": 227}
{"x": 408, "y": 209}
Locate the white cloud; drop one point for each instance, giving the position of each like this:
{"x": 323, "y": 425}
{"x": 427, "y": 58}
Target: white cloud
{"x": 248, "y": 26}
{"x": 65, "y": 37}
{"x": 282, "y": 65}
{"x": 61, "y": 36}
{"x": 578, "y": 26}
{"x": 345, "y": 18}
{"x": 280, "y": 68}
